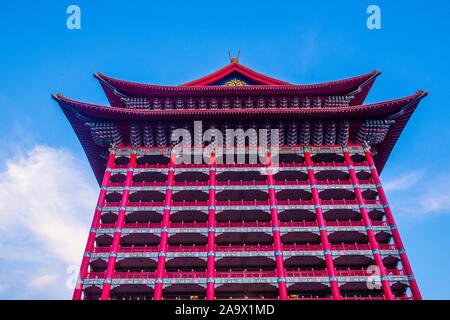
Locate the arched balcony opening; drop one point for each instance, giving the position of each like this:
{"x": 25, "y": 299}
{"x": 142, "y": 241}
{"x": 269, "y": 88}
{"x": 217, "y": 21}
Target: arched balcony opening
{"x": 332, "y": 175}
{"x": 364, "y": 175}
{"x": 248, "y": 262}
{"x": 296, "y": 215}
{"x": 117, "y": 177}
{"x": 342, "y": 214}
{"x": 353, "y": 291}
{"x": 246, "y": 291}
{"x": 190, "y": 195}
{"x": 353, "y": 261}
{"x": 327, "y": 158}
{"x": 113, "y": 196}
{"x": 188, "y": 238}
{"x": 376, "y": 214}
{"x": 132, "y": 292}
{"x": 135, "y": 264}
{"x": 358, "y": 158}
{"x": 184, "y": 291}
{"x": 149, "y": 176}
{"x": 92, "y": 292}
{"x": 370, "y": 194}
{"x": 291, "y": 158}
{"x": 337, "y": 194}
{"x": 293, "y": 194}
{"x": 108, "y": 217}
{"x": 191, "y": 177}
{"x": 309, "y": 291}
{"x": 147, "y": 196}
{"x": 242, "y": 215}
{"x": 348, "y": 236}
{"x": 284, "y": 175}
{"x": 187, "y": 262}
{"x": 98, "y": 265}
{"x": 152, "y": 159}
{"x": 121, "y": 160}
{"x": 188, "y": 216}
{"x": 140, "y": 240}
{"x": 383, "y": 237}
{"x": 143, "y": 216}
{"x": 241, "y": 175}
{"x": 242, "y": 195}
{"x": 234, "y": 237}
{"x": 300, "y": 238}
{"x": 103, "y": 240}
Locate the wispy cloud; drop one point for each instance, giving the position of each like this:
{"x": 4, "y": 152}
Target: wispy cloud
{"x": 403, "y": 182}
{"x": 438, "y": 199}
{"x": 419, "y": 194}
{"x": 46, "y": 202}
{"x": 43, "y": 281}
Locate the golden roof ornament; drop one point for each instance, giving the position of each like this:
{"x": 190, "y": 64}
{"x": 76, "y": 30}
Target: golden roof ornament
{"x": 234, "y": 59}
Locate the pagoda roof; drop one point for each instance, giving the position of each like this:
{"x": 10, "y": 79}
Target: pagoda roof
{"x": 238, "y": 68}
{"x": 78, "y": 113}
{"x": 209, "y": 86}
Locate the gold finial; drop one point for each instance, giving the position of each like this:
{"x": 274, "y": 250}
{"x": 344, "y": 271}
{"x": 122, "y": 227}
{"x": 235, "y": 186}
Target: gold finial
{"x": 234, "y": 59}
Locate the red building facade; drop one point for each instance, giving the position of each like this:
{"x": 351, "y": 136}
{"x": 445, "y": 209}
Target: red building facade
{"x": 241, "y": 186}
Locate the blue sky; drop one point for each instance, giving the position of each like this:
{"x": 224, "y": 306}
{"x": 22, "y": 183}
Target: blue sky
{"x": 45, "y": 210}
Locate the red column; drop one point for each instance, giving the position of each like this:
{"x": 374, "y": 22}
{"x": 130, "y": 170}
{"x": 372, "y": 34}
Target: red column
{"x": 118, "y": 228}
{"x": 95, "y": 224}
{"x": 165, "y": 230}
{"x": 368, "y": 225}
{"x": 211, "y": 229}
{"x": 390, "y": 220}
{"x": 281, "y": 272}
{"x": 322, "y": 229}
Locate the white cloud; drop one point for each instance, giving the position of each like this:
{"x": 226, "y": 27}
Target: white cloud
{"x": 44, "y": 281}
{"x": 419, "y": 195}
{"x": 437, "y": 199}
{"x": 47, "y": 198}
{"x": 403, "y": 182}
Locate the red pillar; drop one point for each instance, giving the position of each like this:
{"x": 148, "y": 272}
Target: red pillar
{"x": 368, "y": 225}
{"x": 281, "y": 271}
{"x": 211, "y": 229}
{"x": 165, "y": 230}
{"x": 322, "y": 229}
{"x": 390, "y": 220}
{"x": 118, "y": 228}
{"x": 95, "y": 224}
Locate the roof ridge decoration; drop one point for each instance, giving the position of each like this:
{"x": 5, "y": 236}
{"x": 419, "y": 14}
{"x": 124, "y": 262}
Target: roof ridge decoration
{"x": 234, "y": 59}
{"x": 241, "y": 71}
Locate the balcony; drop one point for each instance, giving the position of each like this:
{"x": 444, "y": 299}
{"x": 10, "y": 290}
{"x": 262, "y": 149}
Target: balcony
{"x": 253, "y": 256}
{"x": 242, "y": 232}
{"x": 292, "y": 276}
{"x": 242, "y": 203}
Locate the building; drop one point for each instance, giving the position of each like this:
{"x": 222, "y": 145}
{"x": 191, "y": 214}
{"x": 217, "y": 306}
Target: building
{"x": 297, "y": 212}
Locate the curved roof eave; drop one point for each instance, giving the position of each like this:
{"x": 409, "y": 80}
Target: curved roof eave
{"x": 351, "y": 112}
{"x": 399, "y": 109}
{"x": 115, "y": 89}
